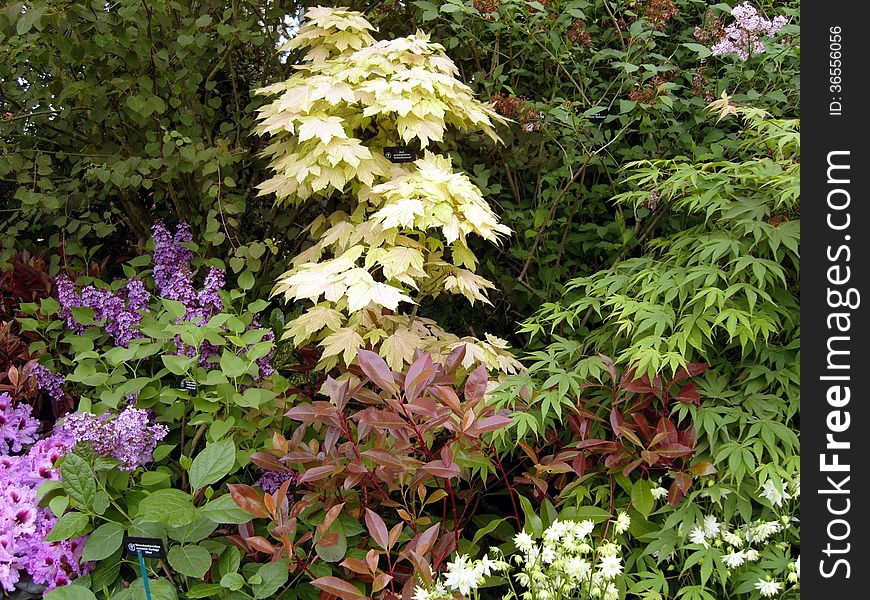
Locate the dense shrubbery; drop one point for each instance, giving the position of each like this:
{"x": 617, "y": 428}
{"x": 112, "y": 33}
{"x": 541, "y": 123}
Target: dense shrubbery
{"x": 611, "y": 186}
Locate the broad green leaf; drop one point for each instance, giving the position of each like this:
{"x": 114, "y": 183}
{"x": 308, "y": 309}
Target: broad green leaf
{"x": 272, "y": 576}
{"x": 232, "y": 365}
{"x": 70, "y": 592}
{"x": 78, "y": 479}
{"x": 190, "y": 560}
{"x": 224, "y": 510}
{"x": 170, "y": 507}
{"x": 641, "y": 497}
{"x": 212, "y": 464}
{"x": 103, "y": 542}
{"x": 70, "y": 525}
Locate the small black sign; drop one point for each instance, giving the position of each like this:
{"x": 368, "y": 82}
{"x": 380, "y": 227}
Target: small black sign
{"x": 400, "y": 154}
{"x": 188, "y": 384}
{"x": 599, "y": 116}
{"x": 150, "y": 547}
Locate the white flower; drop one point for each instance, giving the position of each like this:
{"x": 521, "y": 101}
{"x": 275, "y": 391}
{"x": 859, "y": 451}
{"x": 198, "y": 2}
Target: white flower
{"x": 610, "y": 566}
{"x": 608, "y": 549}
{"x": 611, "y": 592}
{"x": 732, "y": 538}
{"x": 548, "y": 555}
{"x": 659, "y": 492}
{"x": 421, "y": 594}
{"x": 523, "y": 541}
{"x": 485, "y": 566}
{"x": 775, "y": 496}
{"x": 734, "y": 559}
{"x": 796, "y": 487}
{"x": 797, "y": 566}
{"x": 461, "y": 575}
{"x": 768, "y": 587}
{"x": 711, "y": 526}
{"x": 623, "y": 521}
{"x": 577, "y": 568}
{"x": 762, "y": 531}
{"x": 584, "y": 528}
{"x": 699, "y": 536}
{"x": 751, "y": 555}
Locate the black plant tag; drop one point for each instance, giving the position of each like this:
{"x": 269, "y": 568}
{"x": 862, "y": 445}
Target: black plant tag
{"x": 400, "y": 154}
{"x": 599, "y": 116}
{"x": 188, "y": 384}
{"x": 150, "y": 547}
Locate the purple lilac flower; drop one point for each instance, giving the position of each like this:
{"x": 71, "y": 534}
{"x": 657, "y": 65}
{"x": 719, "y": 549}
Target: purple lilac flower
{"x": 120, "y": 312}
{"x": 68, "y": 298}
{"x": 270, "y": 481}
{"x": 129, "y": 437}
{"x": 48, "y": 382}
{"x": 743, "y": 36}
{"x": 17, "y": 426}
{"x": 169, "y": 254}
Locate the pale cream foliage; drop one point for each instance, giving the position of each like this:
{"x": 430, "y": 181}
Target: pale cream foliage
{"x": 405, "y": 233}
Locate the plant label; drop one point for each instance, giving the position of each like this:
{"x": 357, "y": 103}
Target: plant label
{"x": 149, "y": 547}
{"x": 400, "y": 154}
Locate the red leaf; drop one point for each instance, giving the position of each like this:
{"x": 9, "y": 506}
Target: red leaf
{"x": 382, "y": 419}
{"x": 378, "y": 529}
{"x": 674, "y": 450}
{"x": 491, "y": 424}
{"x": 454, "y": 359}
{"x": 418, "y": 375}
{"x": 355, "y": 565}
{"x": 337, "y": 587}
{"x": 268, "y": 462}
{"x": 689, "y": 394}
{"x": 248, "y": 499}
{"x": 316, "y": 474}
{"x": 439, "y": 469}
{"x": 702, "y": 468}
{"x": 376, "y": 369}
{"x": 475, "y": 385}
{"x": 384, "y": 458}
{"x": 303, "y": 412}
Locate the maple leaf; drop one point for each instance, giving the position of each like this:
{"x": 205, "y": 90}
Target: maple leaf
{"x": 468, "y": 284}
{"x": 312, "y": 321}
{"x": 400, "y": 214}
{"x": 398, "y": 348}
{"x": 343, "y": 341}
{"x": 322, "y": 127}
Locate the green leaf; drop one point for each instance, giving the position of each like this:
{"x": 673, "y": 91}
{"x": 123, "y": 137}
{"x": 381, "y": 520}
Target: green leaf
{"x": 246, "y": 280}
{"x": 212, "y": 464}
{"x": 224, "y": 510}
{"x": 177, "y": 365}
{"x": 232, "y": 365}
{"x": 103, "y": 542}
{"x": 204, "y": 590}
{"x": 272, "y": 576}
{"x": 78, "y": 479}
{"x": 641, "y": 497}
{"x": 232, "y": 581}
{"x": 170, "y": 507}
{"x": 534, "y": 525}
{"x": 336, "y": 548}
{"x": 190, "y": 560}
{"x": 161, "y": 589}
{"x": 70, "y": 592}
{"x": 70, "y": 525}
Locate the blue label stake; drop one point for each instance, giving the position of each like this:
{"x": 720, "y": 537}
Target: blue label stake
{"x": 144, "y": 574}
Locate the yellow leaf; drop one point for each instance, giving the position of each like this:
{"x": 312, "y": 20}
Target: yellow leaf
{"x": 344, "y": 341}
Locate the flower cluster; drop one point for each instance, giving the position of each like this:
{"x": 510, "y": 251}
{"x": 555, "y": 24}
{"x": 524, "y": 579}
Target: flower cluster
{"x": 270, "y": 481}
{"x": 119, "y": 312}
{"x": 23, "y": 524}
{"x": 745, "y": 544}
{"x": 566, "y": 563}
{"x": 743, "y": 37}
{"x": 17, "y": 426}
{"x": 48, "y": 382}
{"x": 578, "y": 35}
{"x": 129, "y": 437}
{"x": 514, "y": 107}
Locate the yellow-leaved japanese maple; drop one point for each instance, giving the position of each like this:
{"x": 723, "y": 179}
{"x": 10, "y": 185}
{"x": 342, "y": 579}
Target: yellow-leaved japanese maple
{"x": 403, "y": 232}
